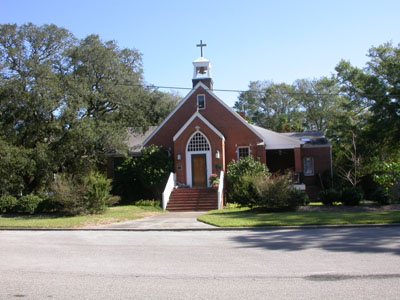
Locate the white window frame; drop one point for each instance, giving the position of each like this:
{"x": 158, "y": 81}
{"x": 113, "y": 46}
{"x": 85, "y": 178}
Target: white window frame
{"x": 307, "y": 172}
{"x": 242, "y": 147}
{"x": 198, "y": 106}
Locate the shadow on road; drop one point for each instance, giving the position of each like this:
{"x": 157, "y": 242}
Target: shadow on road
{"x": 366, "y": 240}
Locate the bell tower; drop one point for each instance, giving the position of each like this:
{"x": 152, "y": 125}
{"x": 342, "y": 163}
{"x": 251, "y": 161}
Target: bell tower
{"x": 202, "y": 69}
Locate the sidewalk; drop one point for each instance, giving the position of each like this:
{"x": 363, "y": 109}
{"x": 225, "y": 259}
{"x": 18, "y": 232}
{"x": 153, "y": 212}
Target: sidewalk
{"x": 172, "y": 220}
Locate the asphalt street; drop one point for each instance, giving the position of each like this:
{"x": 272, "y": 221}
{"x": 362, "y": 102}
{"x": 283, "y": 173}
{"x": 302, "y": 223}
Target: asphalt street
{"x": 352, "y": 263}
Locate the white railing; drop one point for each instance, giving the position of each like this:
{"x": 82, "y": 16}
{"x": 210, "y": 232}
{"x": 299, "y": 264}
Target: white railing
{"x": 220, "y": 190}
{"x": 169, "y": 187}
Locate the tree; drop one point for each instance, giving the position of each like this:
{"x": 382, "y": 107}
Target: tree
{"x": 377, "y": 88}
{"x": 305, "y": 105}
{"x": 320, "y": 102}
{"x": 271, "y": 106}
{"x": 65, "y": 102}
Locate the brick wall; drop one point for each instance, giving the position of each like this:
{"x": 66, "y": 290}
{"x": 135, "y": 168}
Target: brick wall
{"x": 180, "y": 147}
{"x": 322, "y": 162}
{"x": 235, "y": 132}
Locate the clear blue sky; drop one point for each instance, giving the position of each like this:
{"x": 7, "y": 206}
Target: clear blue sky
{"x": 247, "y": 40}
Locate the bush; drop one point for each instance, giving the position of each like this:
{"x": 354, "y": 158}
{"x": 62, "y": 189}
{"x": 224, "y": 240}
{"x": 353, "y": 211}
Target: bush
{"x": 330, "y": 196}
{"x": 153, "y": 203}
{"x": 233, "y": 205}
{"x": 28, "y": 204}
{"x": 382, "y": 196}
{"x": 244, "y": 191}
{"x": 143, "y": 177}
{"x": 352, "y": 196}
{"x": 8, "y": 204}
{"x": 97, "y": 195}
{"x": 77, "y": 197}
{"x": 67, "y": 196}
{"x": 299, "y": 198}
{"x": 276, "y": 194}
{"x": 241, "y": 177}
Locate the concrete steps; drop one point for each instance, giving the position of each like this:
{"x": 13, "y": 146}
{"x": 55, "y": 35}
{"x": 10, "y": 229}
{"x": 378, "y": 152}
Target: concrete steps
{"x": 193, "y": 199}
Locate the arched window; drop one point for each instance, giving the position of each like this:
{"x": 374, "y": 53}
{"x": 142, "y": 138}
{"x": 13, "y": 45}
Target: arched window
{"x": 198, "y": 143}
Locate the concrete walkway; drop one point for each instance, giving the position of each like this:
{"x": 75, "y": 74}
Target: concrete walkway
{"x": 172, "y": 220}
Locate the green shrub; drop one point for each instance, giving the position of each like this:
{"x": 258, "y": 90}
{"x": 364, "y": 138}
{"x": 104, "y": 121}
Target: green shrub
{"x": 8, "y": 204}
{"x": 154, "y": 203}
{"x": 299, "y": 198}
{"x": 352, "y": 196}
{"x": 143, "y": 177}
{"x": 28, "y": 204}
{"x": 67, "y": 196}
{"x": 97, "y": 195}
{"x": 330, "y": 196}
{"x": 77, "y": 197}
{"x": 276, "y": 194}
{"x": 233, "y": 205}
{"x": 244, "y": 191}
{"x": 382, "y": 196}
{"x": 241, "y": 177}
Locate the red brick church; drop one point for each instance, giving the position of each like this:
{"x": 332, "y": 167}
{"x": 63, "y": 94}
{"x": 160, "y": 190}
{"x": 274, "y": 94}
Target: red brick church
{"x": 204, "y": 135}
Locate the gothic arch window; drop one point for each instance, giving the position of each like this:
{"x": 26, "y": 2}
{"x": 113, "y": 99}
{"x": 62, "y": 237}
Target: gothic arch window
{"x": 198, "y": 142}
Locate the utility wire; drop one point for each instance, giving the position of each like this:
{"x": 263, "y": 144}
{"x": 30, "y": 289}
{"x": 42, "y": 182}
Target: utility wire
{"x": 230, "y": 90}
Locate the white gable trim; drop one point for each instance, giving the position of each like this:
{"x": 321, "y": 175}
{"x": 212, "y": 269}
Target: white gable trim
{"x": 198, "y": 115}
{"x": 200, "y": 84}
{"x": 171, "y": 114}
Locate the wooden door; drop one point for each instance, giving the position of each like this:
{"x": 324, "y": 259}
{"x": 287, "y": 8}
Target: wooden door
{"x": 199, "y": 170}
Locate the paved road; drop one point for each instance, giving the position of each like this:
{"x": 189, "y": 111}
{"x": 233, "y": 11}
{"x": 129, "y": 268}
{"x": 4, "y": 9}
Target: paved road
{"x": 285, "y": 264}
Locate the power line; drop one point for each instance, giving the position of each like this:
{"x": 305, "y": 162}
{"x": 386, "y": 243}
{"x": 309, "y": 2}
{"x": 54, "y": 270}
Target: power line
{"x": 231, "y": 90}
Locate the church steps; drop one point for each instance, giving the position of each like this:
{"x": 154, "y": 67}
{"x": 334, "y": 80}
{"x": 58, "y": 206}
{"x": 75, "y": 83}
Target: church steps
{"x": 193, "y": 199}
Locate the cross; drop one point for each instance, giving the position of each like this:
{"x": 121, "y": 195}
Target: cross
{"x": 201, "y": 45}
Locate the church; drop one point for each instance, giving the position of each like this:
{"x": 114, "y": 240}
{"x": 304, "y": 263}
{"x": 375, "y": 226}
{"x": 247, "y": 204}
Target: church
{"x": 203, "y": 134}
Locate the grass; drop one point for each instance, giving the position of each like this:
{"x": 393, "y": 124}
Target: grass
{"x": 112, "y": 215}
{"x": 243, "y": 217}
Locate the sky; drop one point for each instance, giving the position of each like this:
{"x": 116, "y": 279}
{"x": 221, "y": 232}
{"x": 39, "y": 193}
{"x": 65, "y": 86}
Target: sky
{"x": 279, "y": 41}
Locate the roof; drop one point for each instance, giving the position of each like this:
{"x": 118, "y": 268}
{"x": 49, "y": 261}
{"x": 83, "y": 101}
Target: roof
{"x": 135, "y": 139}
{"x": 275, "y": 140}
{"x": 310, "y": 138}
{"x": 201, "y": 59}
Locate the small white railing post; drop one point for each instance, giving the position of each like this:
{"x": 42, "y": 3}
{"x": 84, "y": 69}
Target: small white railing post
{"x": 220, "y": 190}
{"x": 169, "y": 187}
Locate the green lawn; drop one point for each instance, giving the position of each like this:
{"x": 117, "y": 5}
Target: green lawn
{"x": 112, "y": 215}
{"x": 243, "y": 217}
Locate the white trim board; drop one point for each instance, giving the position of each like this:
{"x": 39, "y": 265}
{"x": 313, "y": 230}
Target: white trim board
{"x": 198, "y": 115}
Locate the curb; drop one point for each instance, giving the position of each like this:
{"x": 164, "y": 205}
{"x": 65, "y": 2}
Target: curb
{"x": 261, "y": 228}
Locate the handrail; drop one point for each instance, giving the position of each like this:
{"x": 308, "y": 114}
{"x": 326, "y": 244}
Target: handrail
{"x": 169, "y": 187}
{"x": 220, "y": 190}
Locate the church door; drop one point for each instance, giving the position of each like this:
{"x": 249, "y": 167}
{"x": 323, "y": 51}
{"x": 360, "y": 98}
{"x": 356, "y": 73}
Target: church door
{"x": 199, "y": 170}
